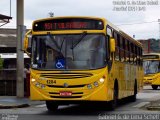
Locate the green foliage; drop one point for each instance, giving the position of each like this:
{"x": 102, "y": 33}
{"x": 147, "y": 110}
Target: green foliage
{"x": 1, "y": 63}
{"x": 155, "y": 45}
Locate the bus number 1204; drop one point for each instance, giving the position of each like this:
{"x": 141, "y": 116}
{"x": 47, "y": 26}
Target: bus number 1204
{"x": 51, "y": 81}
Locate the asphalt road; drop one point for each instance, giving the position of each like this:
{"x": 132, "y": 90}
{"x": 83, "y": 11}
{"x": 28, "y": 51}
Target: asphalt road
{"x": 126, "y": 110}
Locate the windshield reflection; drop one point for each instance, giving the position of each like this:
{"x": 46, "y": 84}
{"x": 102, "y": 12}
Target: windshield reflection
{"x": 151, "y": 67}
{"x": 82, "y": 51}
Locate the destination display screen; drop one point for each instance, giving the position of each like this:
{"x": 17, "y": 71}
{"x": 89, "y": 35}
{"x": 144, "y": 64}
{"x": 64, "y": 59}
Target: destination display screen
{"x": 68, "y": 24}
{"x": 150, "y": 56}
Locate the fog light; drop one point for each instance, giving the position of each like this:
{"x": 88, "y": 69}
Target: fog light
{"x": 37, "y": 84}
{"x": 42, "y": 86}
{"x": 95, "y": 84}
{"x": 89, "y": 86}
{"x": 33, "y": 80}
{"x": 101, "y": 80}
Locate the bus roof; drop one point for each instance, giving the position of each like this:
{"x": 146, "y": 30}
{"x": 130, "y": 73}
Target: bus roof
{"x": 124, "y": 34}
{"x": 63, "y": 17}
{"x": 151, "y": 56}
{"x": 96, "y": 18}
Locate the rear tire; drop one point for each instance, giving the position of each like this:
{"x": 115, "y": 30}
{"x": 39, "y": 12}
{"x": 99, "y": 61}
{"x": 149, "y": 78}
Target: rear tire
{"x": 51, "y": 106}
{"x": 154, "y": 87}
{"x": 133, "y": 97}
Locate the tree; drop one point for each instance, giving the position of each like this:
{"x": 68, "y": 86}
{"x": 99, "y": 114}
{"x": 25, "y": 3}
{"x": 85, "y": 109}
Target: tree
{"x": 1, "y": 63}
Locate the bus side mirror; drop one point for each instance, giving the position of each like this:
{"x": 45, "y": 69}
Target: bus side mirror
{"x": 112, "y": 45}
{"x": 27, "y": 42}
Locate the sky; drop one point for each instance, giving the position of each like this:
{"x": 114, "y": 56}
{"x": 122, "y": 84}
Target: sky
{"x": 143, "y": 22}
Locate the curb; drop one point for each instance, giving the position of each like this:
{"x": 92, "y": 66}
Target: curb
{"x": 153, "y": 108}
{"x": 14, "y": 106}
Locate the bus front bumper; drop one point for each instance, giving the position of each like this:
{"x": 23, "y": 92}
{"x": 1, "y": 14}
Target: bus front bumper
{"x": 147, "y": 81}
{"x": 99, "y": 93}
{"x": 156, "y": 81}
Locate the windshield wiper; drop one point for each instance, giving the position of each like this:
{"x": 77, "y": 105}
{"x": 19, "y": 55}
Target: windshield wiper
{"x": 79, "y": 40}
{"x": 54, "y": 42}
{"x": 58, "y": 47}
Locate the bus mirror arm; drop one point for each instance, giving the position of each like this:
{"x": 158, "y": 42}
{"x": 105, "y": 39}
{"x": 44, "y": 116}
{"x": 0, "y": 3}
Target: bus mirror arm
{"x": 29, "y": 54}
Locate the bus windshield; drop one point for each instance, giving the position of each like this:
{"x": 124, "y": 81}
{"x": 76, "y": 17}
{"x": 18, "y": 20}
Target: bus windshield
{"x": 151, "y": 66}
{"x": 69, "y": 52}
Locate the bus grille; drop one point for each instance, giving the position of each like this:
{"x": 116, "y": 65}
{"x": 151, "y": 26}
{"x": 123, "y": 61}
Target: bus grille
{"x": 70, "y": 86}
{"x": 149, "y": 75}
{"x": 65, "y": 75}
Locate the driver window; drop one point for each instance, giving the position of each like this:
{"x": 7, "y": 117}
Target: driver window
{"x": 49, "y": 55}
{"x": 50, "y": 59}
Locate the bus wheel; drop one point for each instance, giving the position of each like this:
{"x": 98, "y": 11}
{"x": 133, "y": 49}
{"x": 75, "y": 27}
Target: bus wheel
{"x": 113, "y": 103}
{"x": 51, "y": 105}
{"x": 133, "y": 97}
{"x": 154, "y": 87}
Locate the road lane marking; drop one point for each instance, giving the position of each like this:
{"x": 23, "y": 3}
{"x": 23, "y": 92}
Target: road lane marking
{"x": 39, "y": 106}
{"x": 141, "y": 104}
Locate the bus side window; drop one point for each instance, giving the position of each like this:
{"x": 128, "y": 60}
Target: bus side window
{"x": 127, "y": 50}
{"x": 138, "y": 56}
{"x": 109, "y": 34}
{"x": 131, "y": 53}
{"x": 141, "y": 60}
{"x": 115, "y": 35}
{"x": 121, "y": 50}
{"x": 107, "y": 47}
{"x": 124, "y": 49}
{"x": 118, "y": 47}
{"x": 159, "y": 67}
{"x": 136, "y": 53}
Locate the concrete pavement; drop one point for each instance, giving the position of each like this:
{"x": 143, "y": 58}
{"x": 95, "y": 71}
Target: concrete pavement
{"x": 153, "y": 105}
{"x": 8, "y": 102}
{"x": 149, "y": 96}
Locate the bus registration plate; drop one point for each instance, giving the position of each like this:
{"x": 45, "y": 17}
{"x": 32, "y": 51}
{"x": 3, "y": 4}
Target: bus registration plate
{"x": 65, "y": 93}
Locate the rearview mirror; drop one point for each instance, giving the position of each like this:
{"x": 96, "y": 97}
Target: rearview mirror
{"x": 112, "y": 45}
{"x": 27, "y": 42}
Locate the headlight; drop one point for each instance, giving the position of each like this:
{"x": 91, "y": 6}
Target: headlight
{"x": 42, "y": 86}
{"x": 33, "y": 80}
{"x": 95, "y": 84}
{"x": 101, "y": 80}
{"x": 89, "y": 86}
{"x": 37, "y": 84}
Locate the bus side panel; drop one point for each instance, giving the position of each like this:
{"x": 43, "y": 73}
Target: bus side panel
{"x": 156, "y": 80}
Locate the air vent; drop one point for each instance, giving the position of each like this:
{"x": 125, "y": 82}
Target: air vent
{"x": 65, "y": 75}
{"x": 70, "y": 86}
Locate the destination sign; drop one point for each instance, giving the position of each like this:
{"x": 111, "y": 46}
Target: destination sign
{"x": 150, "y": 56}
{"x": 68, "y": 24}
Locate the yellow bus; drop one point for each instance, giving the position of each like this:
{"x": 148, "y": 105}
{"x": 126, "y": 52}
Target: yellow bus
{"x": 83, "y": 59}
{"x": 151, "y": 64}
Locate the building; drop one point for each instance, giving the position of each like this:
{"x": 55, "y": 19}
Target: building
{"x": 150, "y": 46}
{"x": 8, "y": 55}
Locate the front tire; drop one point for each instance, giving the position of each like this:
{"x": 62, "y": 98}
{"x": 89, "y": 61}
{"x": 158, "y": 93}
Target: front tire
{"x": 51, "y": 106}
{"x": 114, "y": 102}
